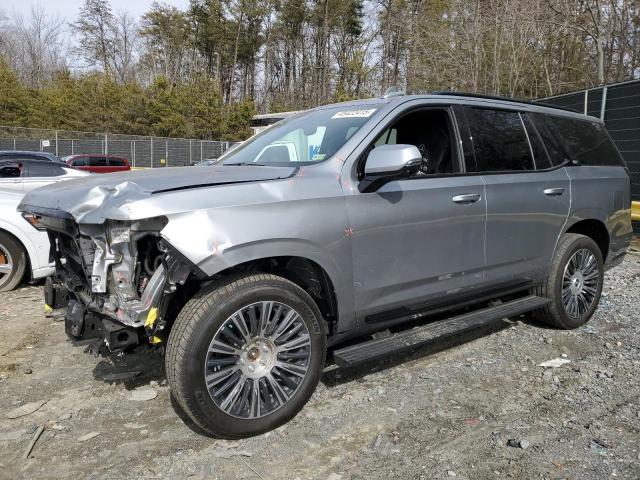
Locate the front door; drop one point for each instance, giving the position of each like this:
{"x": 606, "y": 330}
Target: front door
{"x": 418, "y": 240}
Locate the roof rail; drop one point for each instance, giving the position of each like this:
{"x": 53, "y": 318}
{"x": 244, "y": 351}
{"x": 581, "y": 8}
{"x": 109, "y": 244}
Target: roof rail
{"x": 502, "y": 99}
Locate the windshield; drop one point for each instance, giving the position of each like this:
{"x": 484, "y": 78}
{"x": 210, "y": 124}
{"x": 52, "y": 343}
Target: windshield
{"x": 311, "y": 137}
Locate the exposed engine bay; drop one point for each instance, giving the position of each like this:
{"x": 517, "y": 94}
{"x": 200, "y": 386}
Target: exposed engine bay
{"x": 114, "y": 279}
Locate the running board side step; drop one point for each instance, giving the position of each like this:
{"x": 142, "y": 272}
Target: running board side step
{"x": 426, "y": 334}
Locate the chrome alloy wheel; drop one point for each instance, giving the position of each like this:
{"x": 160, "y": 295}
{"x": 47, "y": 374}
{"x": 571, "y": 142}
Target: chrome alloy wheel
{"x": 257, "y": 359}
{"x": 580, "y": 283}
{"x": 6, "y": 263}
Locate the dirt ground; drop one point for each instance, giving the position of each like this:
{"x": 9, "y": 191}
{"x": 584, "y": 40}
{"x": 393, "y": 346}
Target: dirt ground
{"x": 480, "y": 409}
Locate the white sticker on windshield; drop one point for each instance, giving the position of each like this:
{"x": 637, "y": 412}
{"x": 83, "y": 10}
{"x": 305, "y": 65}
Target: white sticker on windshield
{"x": 354, "y": 114}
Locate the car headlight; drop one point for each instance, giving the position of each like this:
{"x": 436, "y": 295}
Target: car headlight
{"x": 34, "y": 220}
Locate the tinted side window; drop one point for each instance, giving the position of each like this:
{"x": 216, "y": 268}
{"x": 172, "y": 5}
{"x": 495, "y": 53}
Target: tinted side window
{"x": 540, "y": 155}
{"x": 79, "y": 162}
{"x": 10, "y": 169}
{"x": 43, "y": 169}
{"x": 499, "y": 140}
{"x": 557, "y": 150}
{"x": 116, "y": 162}
{"x": 581, "y": 140}
{"x": 97, "y": 162}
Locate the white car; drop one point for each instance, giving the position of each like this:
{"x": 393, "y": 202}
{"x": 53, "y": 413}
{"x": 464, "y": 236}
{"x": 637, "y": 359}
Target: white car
{"x": 22, "y": 245}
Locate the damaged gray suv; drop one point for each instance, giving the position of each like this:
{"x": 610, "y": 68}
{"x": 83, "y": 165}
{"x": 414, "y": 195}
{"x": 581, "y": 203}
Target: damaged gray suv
{"x": 417, "y": 216}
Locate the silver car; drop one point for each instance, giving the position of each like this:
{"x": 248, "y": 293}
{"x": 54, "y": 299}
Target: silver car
{"x": 420, "y": 216}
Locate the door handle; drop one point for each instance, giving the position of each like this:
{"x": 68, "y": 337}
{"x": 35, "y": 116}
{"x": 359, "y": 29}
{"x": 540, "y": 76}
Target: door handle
{"x": 554, "y": 192}
{"x": 466, "y": 198}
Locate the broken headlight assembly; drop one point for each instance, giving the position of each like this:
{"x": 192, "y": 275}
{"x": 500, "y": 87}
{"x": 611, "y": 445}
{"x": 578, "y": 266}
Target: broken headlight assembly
{"x": 132, "y": 272}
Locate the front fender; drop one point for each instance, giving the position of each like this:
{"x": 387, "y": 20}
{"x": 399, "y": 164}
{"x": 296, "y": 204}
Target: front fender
{"x": 281, "y": 247}
{"x": 217, "y": 239}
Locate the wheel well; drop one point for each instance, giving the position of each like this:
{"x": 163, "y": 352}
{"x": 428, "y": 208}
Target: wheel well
{"x": 305, "y": 273}
{"x": 595, "y": 230}
{"x": 27, "y": 270}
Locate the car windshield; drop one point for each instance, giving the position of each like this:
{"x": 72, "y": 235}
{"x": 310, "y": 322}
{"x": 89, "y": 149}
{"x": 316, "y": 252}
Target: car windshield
{"x": 310, "y": 137}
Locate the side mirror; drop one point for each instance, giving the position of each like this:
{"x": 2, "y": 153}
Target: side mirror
{"x": 392, "y": 161}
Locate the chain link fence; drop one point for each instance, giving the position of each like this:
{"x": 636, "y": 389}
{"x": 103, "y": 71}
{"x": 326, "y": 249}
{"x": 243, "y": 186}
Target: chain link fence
{"x": 141, "y": 151}
{"x": 619, "y": 106}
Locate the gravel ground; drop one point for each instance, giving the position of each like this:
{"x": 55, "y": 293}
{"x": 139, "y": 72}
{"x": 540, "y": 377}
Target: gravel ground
{"x": 480, "y": 409}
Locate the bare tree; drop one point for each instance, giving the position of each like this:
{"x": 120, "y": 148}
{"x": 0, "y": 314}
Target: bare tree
{"x": 35, "y": 46}
{"x": 125, "y": 46}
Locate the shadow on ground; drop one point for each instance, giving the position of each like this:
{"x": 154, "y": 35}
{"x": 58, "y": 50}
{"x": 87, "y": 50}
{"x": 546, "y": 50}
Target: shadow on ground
{"x": 135, "y": 369}
{"x": 335, "y": 375}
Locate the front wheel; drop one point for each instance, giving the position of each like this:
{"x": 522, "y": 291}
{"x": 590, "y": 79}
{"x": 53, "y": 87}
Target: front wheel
{"x": 574, "y": 283}
{"x": 13, "y": 263}
{"x": 244, "y": 356}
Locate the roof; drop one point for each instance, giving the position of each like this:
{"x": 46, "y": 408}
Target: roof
{"x": 453, "y": 97}
{"x": 47, "y": 155}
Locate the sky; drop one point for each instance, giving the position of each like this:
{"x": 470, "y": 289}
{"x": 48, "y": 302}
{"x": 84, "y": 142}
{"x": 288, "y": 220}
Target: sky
{"x": 68, "y": 9}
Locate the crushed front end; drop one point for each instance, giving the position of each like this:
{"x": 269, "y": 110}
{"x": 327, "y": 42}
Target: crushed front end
{"x": 115, "y": 280}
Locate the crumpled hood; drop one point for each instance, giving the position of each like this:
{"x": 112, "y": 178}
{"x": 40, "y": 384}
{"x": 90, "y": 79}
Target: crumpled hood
{"x": 87, "y": 194}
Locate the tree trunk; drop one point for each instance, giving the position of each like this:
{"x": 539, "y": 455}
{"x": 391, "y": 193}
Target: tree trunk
{"x": 232, "y": 70}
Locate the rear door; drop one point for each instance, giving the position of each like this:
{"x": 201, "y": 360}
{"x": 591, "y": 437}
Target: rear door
{"x": 527, "y": 196}
{"x": 38, "y": 173}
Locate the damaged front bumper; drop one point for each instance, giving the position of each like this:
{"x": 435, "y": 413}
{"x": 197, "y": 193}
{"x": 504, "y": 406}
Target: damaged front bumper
{"x": 114, "y": 279}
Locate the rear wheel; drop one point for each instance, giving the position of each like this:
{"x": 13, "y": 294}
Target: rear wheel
{"x": 13, "y": 262}
{"x": 574, "y": 283}
{"x": 244, "y": 356}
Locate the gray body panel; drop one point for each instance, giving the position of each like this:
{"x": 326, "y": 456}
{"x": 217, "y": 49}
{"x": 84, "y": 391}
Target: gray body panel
{"x": 523, "y": 223}
{"x": 399, "y": 232}
{"x": 405, "y": 243}
{"x": 604, "y": 194}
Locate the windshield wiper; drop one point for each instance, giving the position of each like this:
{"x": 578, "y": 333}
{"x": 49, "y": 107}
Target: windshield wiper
{"x": 246, "y": 163}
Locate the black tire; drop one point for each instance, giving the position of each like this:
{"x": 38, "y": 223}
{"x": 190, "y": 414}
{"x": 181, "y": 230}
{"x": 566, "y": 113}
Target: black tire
{"x": 198, "y": 323}
{"x": 555, "y": 314}
{"x": 11, "y": 252}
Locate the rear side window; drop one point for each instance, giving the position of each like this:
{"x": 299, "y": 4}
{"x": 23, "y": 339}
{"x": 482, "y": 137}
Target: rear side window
{"x": 540, "y": 155}
{"x": 79, "y": 162}
{"x": 43, "y": 169}
{"x": 116, "y": 162}
{"x": 499, "y": 141}
{"x": 97, "y": 161}
{"x": 581, "y": 140}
